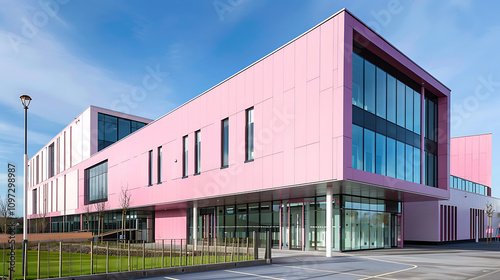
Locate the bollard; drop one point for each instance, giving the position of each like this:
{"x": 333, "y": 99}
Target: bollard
{"x": 268, "y": 246}
{"x": 248, "y": 256}
{"x": 225, "y": 249}
{"x": 192, "y": 254}
{"x": 238, "y": 250}
{"x": 180, "y": 255}
{"x": 91, "y": 257}
{"x": 202, "y": 250}
{"x": 255, "y": 246}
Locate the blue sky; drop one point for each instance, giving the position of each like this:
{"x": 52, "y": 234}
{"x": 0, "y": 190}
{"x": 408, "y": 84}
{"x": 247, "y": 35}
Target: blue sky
{"x": 71, "y": 54}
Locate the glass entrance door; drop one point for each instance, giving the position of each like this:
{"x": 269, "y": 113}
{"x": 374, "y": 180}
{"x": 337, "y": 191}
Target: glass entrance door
{"x": 296, "y": 218}
{"x": 207, "y": 223}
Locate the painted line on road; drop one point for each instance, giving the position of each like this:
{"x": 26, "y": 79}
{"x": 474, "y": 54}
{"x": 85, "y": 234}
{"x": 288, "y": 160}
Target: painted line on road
{"x": 323, "y": 270}
{"x": 170, "y": 278}
{"x": 387, "y": 273}
{"x": 251, "y": 274}
{"x": 487, "y": 274}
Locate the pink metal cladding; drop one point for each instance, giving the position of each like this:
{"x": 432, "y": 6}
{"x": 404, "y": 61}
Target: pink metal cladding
{"x": 471, "y": 158}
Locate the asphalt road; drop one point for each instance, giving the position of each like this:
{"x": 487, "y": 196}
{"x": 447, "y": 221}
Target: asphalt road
{"x": 455, "y": 261}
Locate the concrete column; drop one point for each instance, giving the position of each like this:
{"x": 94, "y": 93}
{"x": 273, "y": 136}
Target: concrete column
{"x": 329, "y": 216}
{"x": 284, "y": 218}
{"x": 195, "y": 224}
{"x": 422, "y": 150}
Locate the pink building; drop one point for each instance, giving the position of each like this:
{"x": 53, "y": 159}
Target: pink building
{"x": 319, "y": 142}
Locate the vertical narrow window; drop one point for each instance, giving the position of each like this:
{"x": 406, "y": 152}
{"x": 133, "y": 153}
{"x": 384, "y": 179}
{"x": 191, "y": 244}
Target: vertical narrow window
{"x": 185, "y": 156}
{"x": 50, "y": 159}
{"x": 34, "y": 201}
{"x": 150, "y": 168}
{"x": 416, "y": 165}
{"x": 409, "y": 108}
{"x": 416, "y": 112}
{"x": 197, "y": 152}
{"x": 391, "y": 157}
{"x": 225, "y": 143}
{"x": 159, "y": 164}
{"x": 249, "y": 134}
{"x": 357, "y": 80}
{"x": 357, "y": 147}
{"x": 391, "y": 99}
{"x": 380, "y": 154}
{"x": 369, "y": 150}
{"x": 401, "y": 105}
{"x": 409, "y": 163}
{"x": 400, "y": 160}
{"x": 369, "y": 87}
{"x": 381, "y": 93}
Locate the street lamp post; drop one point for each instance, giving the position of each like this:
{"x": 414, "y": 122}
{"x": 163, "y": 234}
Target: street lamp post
{"x": 26, "y": 102}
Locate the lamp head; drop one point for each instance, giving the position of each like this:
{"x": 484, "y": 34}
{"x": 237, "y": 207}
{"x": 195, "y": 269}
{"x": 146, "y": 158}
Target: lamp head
{"x": 26, "y": 101}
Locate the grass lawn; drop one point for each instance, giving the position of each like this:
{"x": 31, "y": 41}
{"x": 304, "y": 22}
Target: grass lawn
{"x": 74, "y": 264}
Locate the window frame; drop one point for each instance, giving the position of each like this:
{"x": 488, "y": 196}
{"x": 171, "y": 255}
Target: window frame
{"x": 224, "y": 136}
{"x": 185, "y": 156}
{"x": 249, "y": 155}
{"x": 197, "y": 152}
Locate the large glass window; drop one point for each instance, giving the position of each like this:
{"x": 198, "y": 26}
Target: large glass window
{"x": 34, "y": 198}
{"x": 111, "y": 129}
{"x": 185, "y": 145}
{"x": 391, "y": 157}
{"x": 96, "y": 183}
{"x": 197, "y": 152}
{"x": 416, "y": 112}
{"x": 381, "y": 155}
{"x": 249, "y": 134}
{"x": 357, "y": 80}
{"x": 357, "y": 147}
{"x": 381, "y": 93}
{"x": 369, "y": 87}
{"x": 401, "y": 103}
{"x": 391, "y": 99}
{"x": 369, "y": 151}
{"x": 225, "y": 143}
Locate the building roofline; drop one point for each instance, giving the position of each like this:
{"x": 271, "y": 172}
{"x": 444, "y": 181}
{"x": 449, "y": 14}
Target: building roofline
{"x": 465, "y": 136}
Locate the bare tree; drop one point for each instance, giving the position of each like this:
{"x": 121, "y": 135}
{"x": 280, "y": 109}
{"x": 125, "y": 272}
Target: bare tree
{"x": 4, "y": 214}
{"x": 489, "y": 212}
{"x": 87, "y": 215}
{"x": 124, "y": 204}
{"x": 100, "y": 208}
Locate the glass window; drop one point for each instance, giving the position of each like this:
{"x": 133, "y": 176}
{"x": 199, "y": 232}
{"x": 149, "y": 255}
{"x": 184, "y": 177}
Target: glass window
{"x": 96, "y": 183}
{"x": 249, "y": 134}
{"x": 357, "y": 147}
{"x": 197, "y": 152}
{"x": 225, "y": 143}
{"x": 357, "y": 80}
{"x": 123, "y": 128}
{"x": 409, "y": 163}
{"x": 391, "y": 157}
{"x": 401, "y": 105}
{"x": 369, "y": 87}
{"x": 369, "y": 150}
{"x": 380, "y": 155}
{"x": 150, "y": 168}
{"x": 391, "y": 99}
{"x": 409, "y": 108}
{"x": 416, "y": 112}
{"x": 381, "y": 93}
{"x": 185, "y": 145}
{"x": 416, "y": 165}
{"x": 401, "y": 160}
{"x": 159, "y": 164}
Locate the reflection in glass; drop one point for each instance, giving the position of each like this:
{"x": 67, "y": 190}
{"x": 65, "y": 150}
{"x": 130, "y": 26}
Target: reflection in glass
{"x": 409, "y": 108}
{"x": 391, "y": 99}
{"x": 400, "y": 160}
{"x": 381, "y": 93}
{"x": 369, "y": 150}
{"x": 369, "y": 87}
{"x": 409, "y": 163}
{"x": 416, "y": 165}
{"x": 381, "y": 155}
{"x": 416, "y": 112}
{"x": 357, "y": 80}
{"x": 357, "y": 147}
{"x": 391, "y": 157}
{"x": 401, "y": 104}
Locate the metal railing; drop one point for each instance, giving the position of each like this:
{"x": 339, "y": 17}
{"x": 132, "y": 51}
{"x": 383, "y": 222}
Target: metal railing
{"x": 60, "y": 259}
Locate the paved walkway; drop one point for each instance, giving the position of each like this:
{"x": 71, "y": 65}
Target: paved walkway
{"x": 475, "y": 261}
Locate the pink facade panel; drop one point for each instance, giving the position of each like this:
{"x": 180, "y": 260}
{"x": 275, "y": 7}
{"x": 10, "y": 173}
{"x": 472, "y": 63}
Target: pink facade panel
{"x": 471, "y": 158}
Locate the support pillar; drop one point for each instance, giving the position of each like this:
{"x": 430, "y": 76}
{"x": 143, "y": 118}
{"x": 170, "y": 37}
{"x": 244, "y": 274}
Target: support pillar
{"x": 195, "y": 224}
{"x": 284, "y": 229}
{"x": 329, "y": 216}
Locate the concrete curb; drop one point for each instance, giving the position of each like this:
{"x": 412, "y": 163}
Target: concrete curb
{"x": 165, "y": 271}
